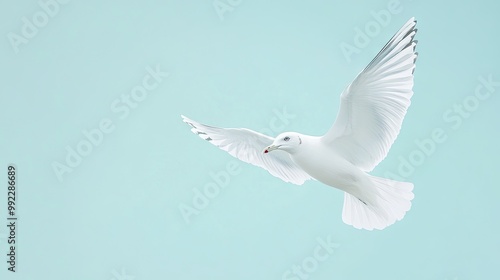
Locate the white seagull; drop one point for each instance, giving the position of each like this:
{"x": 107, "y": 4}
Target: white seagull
{"x": 371, "y": 113}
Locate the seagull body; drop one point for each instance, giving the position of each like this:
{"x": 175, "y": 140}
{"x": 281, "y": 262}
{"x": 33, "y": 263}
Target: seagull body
{"x": 371, "y": 113}
{"x": 323, "y": 163}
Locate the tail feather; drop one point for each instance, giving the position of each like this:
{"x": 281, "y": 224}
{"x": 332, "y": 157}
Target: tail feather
{"x": 392, "y": 201}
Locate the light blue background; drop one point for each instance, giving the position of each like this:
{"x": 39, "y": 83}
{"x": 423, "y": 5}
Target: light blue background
{"x": 118, "y": 212}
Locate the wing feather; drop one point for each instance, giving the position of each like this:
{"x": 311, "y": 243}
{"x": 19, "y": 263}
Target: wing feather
{"x": 248, "y": 146}
{"x": 374, "y": 105}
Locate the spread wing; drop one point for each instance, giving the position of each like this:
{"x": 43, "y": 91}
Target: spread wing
{"x": 248, "y": 146}
{"x": 373, "y": 107}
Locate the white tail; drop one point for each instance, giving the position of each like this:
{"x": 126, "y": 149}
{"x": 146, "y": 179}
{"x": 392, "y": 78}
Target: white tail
{"x": 392, "y": 201}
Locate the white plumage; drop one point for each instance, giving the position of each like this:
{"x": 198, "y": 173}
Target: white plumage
{"x": 369, "y": 120}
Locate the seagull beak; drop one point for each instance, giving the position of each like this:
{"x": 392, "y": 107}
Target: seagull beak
{"x": 270, "y": 148}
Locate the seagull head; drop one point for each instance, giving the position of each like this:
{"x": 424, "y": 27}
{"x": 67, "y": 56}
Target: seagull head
{"x": 287, "y": 141}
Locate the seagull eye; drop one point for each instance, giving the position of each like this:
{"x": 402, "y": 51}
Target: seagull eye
{"x": 286, "y": 138}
